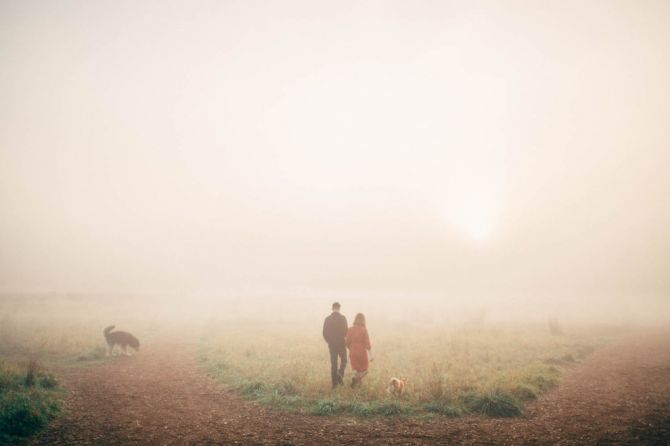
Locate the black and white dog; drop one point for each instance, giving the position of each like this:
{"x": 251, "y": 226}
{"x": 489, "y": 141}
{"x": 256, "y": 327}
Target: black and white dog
{"x": 120, "y": 338}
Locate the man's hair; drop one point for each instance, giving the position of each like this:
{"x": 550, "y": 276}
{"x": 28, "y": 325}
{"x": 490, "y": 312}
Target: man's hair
{"x": 336, "y": 306}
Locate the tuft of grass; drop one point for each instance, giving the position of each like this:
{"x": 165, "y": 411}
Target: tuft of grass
{"x": 329, "y": 407}
{"x": 275, "y": 399}
{"x": 27, "y": 402}
{"x": 362, "y": 409}
{"x": 525, "y": 392}
{"x": 443, "y": 409}
{"x": 495, "y": 403}
{"x": 288, "y": 387}
{"x": 435, "y": 382}
{"x": 48, "y": 381}
{"x": 391, "y": 408}
{"x": 9, "y": 380}
{"x": 251, "y": 388}
{"x": 24, "y": 413}
{"x": 545, "y": 381}
{"x": 326, "y": 407}
{"x": 31, "y": 372}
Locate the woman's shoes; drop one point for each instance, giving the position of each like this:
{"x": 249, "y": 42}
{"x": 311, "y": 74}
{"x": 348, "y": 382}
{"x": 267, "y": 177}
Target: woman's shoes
{"x": 355, "y": 382}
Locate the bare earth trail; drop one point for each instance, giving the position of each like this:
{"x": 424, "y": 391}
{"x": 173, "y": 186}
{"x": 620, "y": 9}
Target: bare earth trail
{"x": 618, "y": 395}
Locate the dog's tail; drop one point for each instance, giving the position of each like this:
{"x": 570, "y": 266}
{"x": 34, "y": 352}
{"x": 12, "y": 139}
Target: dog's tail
{"x": 107, "y": 330}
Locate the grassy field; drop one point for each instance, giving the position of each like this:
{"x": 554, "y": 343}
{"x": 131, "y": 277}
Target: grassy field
{"x": 54, "y": 332}
{"x": 454, "y": 365}
{"x": 63, "y": 331}
{"x": 39, "y": 334}
{"x": 491, "y": 369}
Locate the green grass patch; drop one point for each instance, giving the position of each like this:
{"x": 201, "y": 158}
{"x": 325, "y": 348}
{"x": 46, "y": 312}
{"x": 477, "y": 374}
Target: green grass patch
{"x": 525, "y": 392}
{"x": 28, "y": 401}
{"x": 496, "y": 403}
{"x": 448, "y": 410}
{"x": 327, "y": 407}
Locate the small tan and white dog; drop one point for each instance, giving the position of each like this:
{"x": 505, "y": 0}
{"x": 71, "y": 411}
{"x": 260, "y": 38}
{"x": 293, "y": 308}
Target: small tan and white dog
{"x": 397, "y": 386}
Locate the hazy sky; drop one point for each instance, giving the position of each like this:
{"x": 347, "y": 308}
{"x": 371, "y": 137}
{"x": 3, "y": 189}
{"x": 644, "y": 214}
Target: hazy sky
{"x": 495, "y": 147}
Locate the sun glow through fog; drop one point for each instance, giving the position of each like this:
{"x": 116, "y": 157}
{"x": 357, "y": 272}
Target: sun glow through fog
{"x": 472, "y": 214}
{"x": 294, "y": 144}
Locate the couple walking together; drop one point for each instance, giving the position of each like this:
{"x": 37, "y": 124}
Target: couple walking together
{"x": 340, "y": 337}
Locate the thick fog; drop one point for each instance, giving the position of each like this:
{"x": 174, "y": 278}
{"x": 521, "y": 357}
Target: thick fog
{"x": 445, "y": 148}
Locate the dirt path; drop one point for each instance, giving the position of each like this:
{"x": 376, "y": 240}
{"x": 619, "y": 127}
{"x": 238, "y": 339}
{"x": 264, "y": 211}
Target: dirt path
{"x": 618, "y": 395}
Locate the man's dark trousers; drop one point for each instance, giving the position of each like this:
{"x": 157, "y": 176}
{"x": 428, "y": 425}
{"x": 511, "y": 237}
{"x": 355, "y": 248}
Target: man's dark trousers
{"x": 336, "y": 373}
{"x": 334, "y": 332}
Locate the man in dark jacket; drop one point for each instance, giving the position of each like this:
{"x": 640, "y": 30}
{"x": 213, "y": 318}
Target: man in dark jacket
{"x": 334, "y": 332}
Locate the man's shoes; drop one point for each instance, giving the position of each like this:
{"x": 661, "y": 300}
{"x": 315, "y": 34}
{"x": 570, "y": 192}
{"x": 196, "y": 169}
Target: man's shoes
{"x": 340, "y": 380}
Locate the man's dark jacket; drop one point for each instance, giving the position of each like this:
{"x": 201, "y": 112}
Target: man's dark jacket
{"x": 335, "y": 329}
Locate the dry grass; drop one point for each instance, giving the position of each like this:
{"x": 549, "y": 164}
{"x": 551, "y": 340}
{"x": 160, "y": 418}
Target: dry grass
{"x": 452, "y": 367}
{"x": 63, "y": 331}
{"x": 491, "y": 369}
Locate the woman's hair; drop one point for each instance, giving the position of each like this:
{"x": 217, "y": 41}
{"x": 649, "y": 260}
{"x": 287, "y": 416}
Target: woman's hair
{"x": 360, "y": 320}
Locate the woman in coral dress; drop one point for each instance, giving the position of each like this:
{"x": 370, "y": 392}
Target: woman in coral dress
{"x": 358, "y": 343}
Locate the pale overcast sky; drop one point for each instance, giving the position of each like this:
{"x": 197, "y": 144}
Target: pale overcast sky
{"x": 495, "y": 147}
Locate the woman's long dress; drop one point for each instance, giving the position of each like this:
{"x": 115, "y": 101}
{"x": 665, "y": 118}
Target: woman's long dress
{"x": 358, "y": 343}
